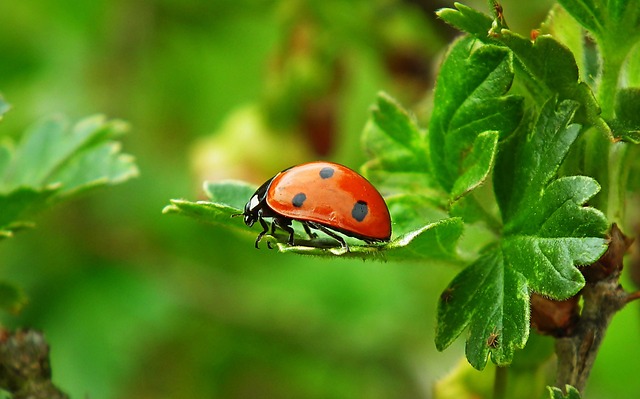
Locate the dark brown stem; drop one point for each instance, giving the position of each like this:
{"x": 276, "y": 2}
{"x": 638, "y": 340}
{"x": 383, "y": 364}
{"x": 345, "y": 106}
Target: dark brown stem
{"x": 577, "y": 352}
{"x": 602, "y": 298}
{"x": 633, "y": 296}
{"x": 24, "y": 366}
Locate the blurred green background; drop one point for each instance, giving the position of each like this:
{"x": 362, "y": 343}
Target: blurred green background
{"x": 136, "y": 304}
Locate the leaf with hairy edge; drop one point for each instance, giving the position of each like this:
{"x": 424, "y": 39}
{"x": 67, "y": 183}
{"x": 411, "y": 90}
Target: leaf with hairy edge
{"x": 546, "y": 66}
{"x": 480, "y": 161}
{"x": 548, "y": 231}
{"x": 556, "y": 393}
{"x": 435, "y": 241}
{"x": 397, "y": 148}
{"x": 470, "y": 99}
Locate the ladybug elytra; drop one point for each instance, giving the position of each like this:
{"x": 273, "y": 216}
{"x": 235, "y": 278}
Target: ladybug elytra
{"x": 321, "y": 196}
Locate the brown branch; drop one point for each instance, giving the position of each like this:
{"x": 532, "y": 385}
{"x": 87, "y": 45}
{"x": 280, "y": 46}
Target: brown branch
{"x": 24, "y": 366}
{"x": 602, "y": 297}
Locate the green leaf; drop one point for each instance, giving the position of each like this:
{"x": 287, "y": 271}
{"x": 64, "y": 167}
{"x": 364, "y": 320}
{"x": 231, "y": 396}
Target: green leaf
{"x": 492, "y": 300}
{"x": 435, "y": 241}
{"x": 410, "y": 211}
{"x": 551, "y": 68}
{"x": 12, "y": 298}
{"x": 556, "y": 393}
{"x": 547, "y": 232}
{"x": 469, "y": 99}
{"x": 53, "y": 162}
{"x": 233, "y": 193}
{"x": 52, "y": 153}
{"x": 528, "y": 162}
{"x": 632, "y": 68}
{"x": 545, "y": 66}
{"x": 563, "y": 27}
{"x": 467, "y": 20}
{"x": 397, "y": 123}
{"x": 585, "y": 12}
{"x": 627, "y": 108}
{"x": 480, "y": 162}
{"x": 397, "y": 148}
{"x": 19, "y": 202}
{"x": 606, "y": 20}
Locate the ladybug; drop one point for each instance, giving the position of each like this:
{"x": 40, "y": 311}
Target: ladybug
{"x": 322, "y": 196}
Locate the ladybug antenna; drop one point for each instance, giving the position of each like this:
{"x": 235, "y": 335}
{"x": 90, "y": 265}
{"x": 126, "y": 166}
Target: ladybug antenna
{"x": 237, "y": 214}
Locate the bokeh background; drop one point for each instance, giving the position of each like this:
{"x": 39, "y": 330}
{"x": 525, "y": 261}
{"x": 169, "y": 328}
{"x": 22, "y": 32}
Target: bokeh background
{"x": 136, "y": 304}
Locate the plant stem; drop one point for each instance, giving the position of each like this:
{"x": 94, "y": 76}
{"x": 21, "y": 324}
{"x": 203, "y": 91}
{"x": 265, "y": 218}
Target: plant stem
{"x": 577, "y": 353}
{"x": 613, "y": 56}
{"x": 603, "y": 297}
{"x": 618, "y": 173}
{"x": 500, "y": 382}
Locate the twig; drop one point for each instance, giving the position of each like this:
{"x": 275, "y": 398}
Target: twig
{"x": 603, "y": 297}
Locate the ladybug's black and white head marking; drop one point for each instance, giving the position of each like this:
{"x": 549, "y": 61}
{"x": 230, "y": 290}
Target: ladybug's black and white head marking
{"x": 253, "y": 209}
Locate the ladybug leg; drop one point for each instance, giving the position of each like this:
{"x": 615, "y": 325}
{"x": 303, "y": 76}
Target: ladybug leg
{"x": 330, "y": 233}
{"x": 273, "y": 232}
{"x": 285, "y": 224}
{"x": 265, "y": 228}
{"x": 307, "y": 229}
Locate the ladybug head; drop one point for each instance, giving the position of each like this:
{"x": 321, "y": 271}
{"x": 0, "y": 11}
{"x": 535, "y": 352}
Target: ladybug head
{"x": 252, "y": 210}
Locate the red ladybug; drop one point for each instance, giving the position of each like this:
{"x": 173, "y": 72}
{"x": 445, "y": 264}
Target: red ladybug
{"x": 322, "y": 196}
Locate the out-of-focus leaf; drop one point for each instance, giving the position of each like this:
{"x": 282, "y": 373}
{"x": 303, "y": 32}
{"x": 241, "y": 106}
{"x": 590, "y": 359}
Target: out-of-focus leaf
{"x": 12, "y": 298}
{"x": 627, "y": 122}
{"x": 556, "y": 393}
{"x": 53, "y": 162}
{"x": 233, "y": 193}
{"x": 4, "y": 107}
{"x": 467, "y": 20}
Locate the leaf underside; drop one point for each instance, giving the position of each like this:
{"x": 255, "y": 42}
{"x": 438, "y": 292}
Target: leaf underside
{"x": 53, "y": 162}
{"x": 435, "y": 241}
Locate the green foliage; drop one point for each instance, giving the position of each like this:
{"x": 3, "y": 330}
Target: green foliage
{"x": 12, "y": 298}
{"x": 556, "y": 393}
{"x": 547, "y": 230}
{"x": 546, "y": 67}
{"x": 235, "y": 320}
{"x": 54, "y": 162}
{"x": 476, "y": 127}
{"x": 435, "y": 241}
{"x": 455, "y": 127}
{"x": 397, "y": 150}
{"x": 4, "y": 106}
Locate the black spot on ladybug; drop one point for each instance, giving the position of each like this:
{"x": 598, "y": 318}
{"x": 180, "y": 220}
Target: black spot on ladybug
{"x": 298, "y": 200}
{"x": 326, "y": 172}
{"x": 359, "y": 211}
